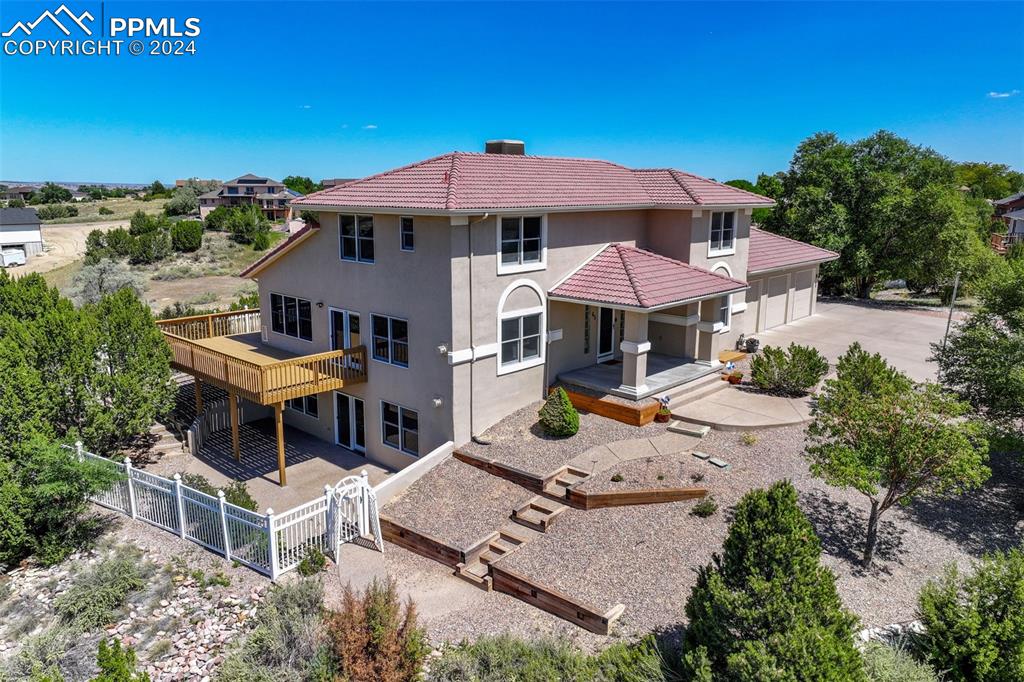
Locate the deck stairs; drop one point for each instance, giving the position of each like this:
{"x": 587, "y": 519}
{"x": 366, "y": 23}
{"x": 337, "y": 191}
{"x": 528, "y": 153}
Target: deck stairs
{"x": 538, "y": 513}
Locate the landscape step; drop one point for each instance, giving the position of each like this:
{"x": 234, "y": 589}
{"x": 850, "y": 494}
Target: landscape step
{"x": 689, "y": 429}
{"x": 538, "y": 513}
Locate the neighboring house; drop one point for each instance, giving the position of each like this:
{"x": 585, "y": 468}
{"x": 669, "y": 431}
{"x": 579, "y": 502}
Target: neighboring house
{"x": 475, "y": 281}
{"x": 273, "y": 198}
{"x": 22, "y": 192}
{"x": 1010, "y": 211}
{"x": 19, "y": 229}
{"x": 334, "y": 182}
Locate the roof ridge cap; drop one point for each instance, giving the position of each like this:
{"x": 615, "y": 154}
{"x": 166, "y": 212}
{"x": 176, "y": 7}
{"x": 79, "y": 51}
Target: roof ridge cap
{"x": 641, "y": 295}
{"x": 677, "y": 176}
{"x": 453, "y": 173}
{"x": 382, "y": 174}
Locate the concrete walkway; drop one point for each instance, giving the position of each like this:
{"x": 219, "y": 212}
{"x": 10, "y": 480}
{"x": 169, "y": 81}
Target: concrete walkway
{"x": 601, "y": 457}
{"x": 740, "y": 408}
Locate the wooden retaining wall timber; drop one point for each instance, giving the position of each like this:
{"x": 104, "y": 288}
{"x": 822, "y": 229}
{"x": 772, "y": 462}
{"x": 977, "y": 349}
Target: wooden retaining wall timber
{"x": 421, "y": 543}
{"x": 517, "y": 476}
{"x": 613, "y": 409}
{"x": 622, "y": 498}
{"x": 552, "y": 601}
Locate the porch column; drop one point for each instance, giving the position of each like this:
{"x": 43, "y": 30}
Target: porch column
{"x": 634, "y": 354}
{"x": 233, "y": 409}
{"x": 690, "y": 330}
{"x": 197, "y": 387}
{"x": 279, "y": 425}
{"x": 708, "y": 327}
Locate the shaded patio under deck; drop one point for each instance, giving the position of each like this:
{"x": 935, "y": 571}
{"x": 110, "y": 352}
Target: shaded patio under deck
{"x": 664, "y": 372}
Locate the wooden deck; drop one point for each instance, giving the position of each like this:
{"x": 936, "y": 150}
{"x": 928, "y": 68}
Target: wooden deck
{"x": 225, "y": 349}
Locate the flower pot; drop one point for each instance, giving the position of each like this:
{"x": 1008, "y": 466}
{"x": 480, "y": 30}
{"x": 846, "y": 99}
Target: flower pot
{"x": 662, "y": 417}
{"x": 735, "y": 380}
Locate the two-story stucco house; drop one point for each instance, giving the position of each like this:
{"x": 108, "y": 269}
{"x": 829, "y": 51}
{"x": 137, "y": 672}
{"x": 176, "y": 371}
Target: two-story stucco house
{"x": 272, "y": 197}
{"x": 475, "y": 281}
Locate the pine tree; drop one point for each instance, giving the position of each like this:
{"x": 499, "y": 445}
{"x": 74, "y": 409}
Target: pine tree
{"x": 766, "y": 609}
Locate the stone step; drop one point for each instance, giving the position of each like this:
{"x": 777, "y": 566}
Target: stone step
{"x": 705, "y": 386}
{"x": 689, "y": 428}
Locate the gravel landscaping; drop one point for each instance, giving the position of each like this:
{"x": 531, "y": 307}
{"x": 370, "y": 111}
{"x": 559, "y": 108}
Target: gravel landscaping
{"x": 646, "y": 556}
{"x": 456, "y": 503}
{"x": 663, "y": 471}
{"x": 519, "y": 441}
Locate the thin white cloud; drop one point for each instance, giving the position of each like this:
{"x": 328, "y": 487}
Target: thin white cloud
{"x": 305, "y": 106}
{"x": 1003, "y": 95}
{"x": 344, "y": 125}
{"x": 370, "y": 126}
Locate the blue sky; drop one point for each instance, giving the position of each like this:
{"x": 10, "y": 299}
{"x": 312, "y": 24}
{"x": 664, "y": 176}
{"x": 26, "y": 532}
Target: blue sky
{"x": 343, "y": 89}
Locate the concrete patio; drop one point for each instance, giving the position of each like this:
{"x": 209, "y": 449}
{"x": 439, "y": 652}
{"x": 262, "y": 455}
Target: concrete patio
{"x": 663, "y": 372}
{"x": 742, "y": 408}
{"x": 312, "y": 464}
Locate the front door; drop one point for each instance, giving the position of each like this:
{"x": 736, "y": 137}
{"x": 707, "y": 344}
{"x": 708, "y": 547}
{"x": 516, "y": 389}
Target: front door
{"x": 345, "y": 333}
{"x": 605, "y": 334}
{"x": 350, "y": 422}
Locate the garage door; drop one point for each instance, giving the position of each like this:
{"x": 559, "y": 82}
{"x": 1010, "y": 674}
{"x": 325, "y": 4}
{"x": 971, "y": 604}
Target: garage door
{"x": 803, "y": 287}
{"x": 753, "y": 307}
{"x": 775, "y": 313}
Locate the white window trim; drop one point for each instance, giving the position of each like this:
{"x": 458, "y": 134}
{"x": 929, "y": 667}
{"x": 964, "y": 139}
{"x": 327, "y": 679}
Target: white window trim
{"x": 359, "y": 258}
{"x": 270, "y": 303}
{"x": 400, "y": 447}
{"x": 513, "y": 268}
{"x": 506, "y": 314}
{"x": 401, "y": 244}
{"x": 712, "y": 252}
{"x": 390, "y": 361}
{"x": 727, "y": 324}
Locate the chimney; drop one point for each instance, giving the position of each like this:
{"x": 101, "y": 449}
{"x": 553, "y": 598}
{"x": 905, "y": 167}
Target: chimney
{"x": 517, "y": 147}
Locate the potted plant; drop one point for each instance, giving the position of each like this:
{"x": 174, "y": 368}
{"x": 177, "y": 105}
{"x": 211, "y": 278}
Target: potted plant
{"x": 735, "y": 377}
{"x": 663, "y": 414}
{"x": 751, "y": 345}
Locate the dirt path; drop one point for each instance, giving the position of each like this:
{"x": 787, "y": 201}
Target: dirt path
{"x": 63, "y": 245}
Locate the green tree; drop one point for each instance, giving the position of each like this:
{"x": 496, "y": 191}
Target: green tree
{"x": 302, "y": 184}
{"x": 183, "y": 201}
{"x": 51, "y": 193}
{"x": 106, "y": 276}
{"x": 156, "y": 189}
{"x": 245, "y": 223}
{"x": 989, "y": 180}
{"x": 766, "y": 609}
{"x": 216, "y": 219}
{"x": 974, "y": 625}
{"x": 891, "y": 209}
{"x": 892, "y": 440}
{"x": 117, "y": 664}
{"x": 983, "y": 358}
{"x": 558, "y": 416}
{"x": 16, "y": 203}
{"x": 187, "y": 236}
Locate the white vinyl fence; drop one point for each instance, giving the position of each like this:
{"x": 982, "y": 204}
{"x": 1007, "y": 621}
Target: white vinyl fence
{"x": 269, "y": 543}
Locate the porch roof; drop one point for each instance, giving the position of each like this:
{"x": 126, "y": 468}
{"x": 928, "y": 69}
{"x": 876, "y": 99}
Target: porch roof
{"x": 629, "y": 277}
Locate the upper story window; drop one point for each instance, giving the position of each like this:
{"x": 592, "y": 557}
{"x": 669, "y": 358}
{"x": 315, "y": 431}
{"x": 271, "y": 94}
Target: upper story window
{"x": 521, "y": 243}
{"x": 232, "y": 190}
{"x": 356, "y": 237}
{"x": 390, "y": 340}
{"x": 291, "y": 316}
{"x": 406, "y": 233}
{"x": 723, "y": 231}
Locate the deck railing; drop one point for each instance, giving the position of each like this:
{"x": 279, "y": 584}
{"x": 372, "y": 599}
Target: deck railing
{"x": 265, "y": 384}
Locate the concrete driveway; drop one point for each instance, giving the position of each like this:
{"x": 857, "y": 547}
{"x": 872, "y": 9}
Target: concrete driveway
{"x": 901, "y": 336}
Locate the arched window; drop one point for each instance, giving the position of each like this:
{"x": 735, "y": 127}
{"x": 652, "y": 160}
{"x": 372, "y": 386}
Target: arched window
{"x": 521, "y": 326}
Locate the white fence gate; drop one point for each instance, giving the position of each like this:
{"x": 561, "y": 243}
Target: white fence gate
{"x": 269, "y": 543}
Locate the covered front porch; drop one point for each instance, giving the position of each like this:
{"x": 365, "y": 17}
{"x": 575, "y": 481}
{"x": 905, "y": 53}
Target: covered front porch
{"x": 664, "y": 372}
{"x": 226, "y": 350}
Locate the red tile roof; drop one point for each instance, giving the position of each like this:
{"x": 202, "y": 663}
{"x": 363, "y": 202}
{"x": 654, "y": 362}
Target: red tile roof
{"x": 462, "y": 181}
{"x": 771, "y": 252}
{"x": 628, "y": 276}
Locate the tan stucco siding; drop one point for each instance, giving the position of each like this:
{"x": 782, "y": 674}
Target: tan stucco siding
{"x": 413, "y": 286}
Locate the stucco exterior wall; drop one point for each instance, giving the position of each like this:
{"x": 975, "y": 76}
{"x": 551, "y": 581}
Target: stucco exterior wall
{"x": 413, "y": 286}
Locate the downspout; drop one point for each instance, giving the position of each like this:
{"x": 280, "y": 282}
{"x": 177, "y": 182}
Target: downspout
{"x": 472, "y": 360}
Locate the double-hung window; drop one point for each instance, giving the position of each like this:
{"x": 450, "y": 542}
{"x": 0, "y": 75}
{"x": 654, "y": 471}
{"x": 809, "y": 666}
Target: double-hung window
{"x": 522, "y": 240}
{"x": 406, "y": 233}
{"x": 307, "y": 405}
{"x": 291, "y": 316}
{"x": 356, "y": 237}
{"x": 520, "y": 339}
{"x": 723, "y": 230}
{"x": 390, "y": 340}
{"x": 400, "y": 428}
{"x": 725, "y": 311}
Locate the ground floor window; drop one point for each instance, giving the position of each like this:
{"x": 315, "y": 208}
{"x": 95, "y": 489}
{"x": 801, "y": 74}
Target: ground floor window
{"x": 306, "y": 405}
{"x": 725, "y": 312}
{"x": 399, "y": 428}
